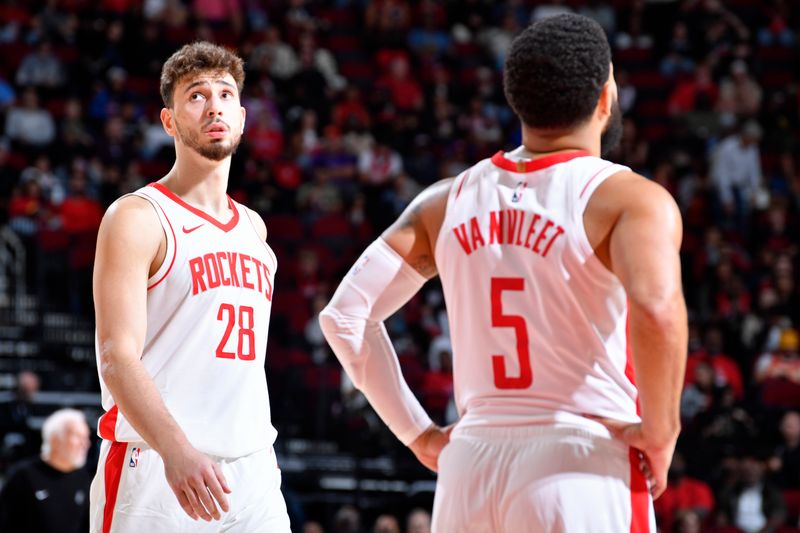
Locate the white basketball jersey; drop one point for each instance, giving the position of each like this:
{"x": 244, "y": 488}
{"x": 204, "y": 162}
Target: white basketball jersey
{"x": 538, "y": 324}
{"x": 208, "y": 311}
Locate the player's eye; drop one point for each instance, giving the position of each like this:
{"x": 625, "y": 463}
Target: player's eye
{"x": 196, "y": 96}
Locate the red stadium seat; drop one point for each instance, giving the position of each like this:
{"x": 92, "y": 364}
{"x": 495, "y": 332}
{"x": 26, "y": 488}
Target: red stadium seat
{"x": 792, "y": 499}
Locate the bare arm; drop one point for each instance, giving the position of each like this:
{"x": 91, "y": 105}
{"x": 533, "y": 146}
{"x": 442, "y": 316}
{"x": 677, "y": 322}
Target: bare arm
{"x": 414, "y": 233}
{"x": 643, "y": 252}
{"x": 129, "y": 241}
{"x": 644, "y": 249}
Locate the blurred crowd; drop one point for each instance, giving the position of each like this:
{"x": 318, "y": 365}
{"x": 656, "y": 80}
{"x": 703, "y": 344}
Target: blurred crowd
{"x": 354, "y": 106}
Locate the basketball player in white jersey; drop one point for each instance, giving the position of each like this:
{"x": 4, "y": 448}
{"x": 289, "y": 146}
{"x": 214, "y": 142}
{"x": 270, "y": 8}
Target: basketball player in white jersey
{"x": 183, "y": 290}
{"x": 561, "y": 276}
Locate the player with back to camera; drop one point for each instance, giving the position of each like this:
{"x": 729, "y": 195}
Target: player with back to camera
{"x": 561, "y": 276}
{"x": 183, "y": 292}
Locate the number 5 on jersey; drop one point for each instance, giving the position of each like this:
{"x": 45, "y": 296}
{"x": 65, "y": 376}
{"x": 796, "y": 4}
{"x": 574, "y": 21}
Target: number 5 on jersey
{"x": 501, "y": 378}
{"x": 246, "y": 349}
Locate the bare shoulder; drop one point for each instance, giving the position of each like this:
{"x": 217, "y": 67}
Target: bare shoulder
{"x": 258, "y": 223}
{"x": 630, "y": 196}
{"x": 628, "y": 187}
{"x": 131, "y": 215}
{"x": 413, "y": 235}
{"x": 130, "y": 227}
{"x": 427, "y": 207}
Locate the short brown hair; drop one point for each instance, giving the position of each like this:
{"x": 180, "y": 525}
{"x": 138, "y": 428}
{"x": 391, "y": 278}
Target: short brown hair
{"x": 200, "y": 56}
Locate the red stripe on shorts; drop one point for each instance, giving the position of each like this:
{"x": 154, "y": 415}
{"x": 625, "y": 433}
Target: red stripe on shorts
{"x": 115, "y": 460}
{"x": 640, "y": 496}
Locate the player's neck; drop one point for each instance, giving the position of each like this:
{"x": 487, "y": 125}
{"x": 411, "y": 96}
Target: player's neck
{"x": 540, "y": 143}
{"x": 200, "y": 182}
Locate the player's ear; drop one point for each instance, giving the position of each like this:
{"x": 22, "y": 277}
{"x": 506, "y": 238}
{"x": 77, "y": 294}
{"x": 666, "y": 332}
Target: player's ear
{"x": 167, "y": 122}
{"x": 244, "y": 116}
{"x": 608, "y": 94}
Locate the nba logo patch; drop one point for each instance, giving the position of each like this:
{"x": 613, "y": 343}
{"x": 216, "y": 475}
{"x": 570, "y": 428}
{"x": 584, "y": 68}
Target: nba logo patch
{"x": 134, "y": 457}
{"x": 518, "y": 190}
{"x": 360, "y": 265}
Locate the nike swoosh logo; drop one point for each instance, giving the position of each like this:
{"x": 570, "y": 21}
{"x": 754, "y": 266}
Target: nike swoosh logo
{"x": 192, "y": 229}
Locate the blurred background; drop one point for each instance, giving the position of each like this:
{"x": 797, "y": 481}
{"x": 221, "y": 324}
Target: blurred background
{"x": 354, "y": 106}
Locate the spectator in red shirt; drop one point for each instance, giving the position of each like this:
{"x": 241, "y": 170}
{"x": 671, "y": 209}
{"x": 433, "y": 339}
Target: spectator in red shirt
{"x": 696, "y": 94}
{"x": 405, "y": 92}
{"x": 351, "y": 111}
{"x": 683, "y": 494}
{"x": 81, "y": 216}
{"x": 726, "y": 371}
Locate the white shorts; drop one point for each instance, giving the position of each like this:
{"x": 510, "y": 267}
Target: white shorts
{"x": 130, "y": 494}
{"x": 540, "y": 479}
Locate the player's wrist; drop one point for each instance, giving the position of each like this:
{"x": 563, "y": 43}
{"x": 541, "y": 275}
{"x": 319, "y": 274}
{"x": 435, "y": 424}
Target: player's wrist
{"x": 175, "y": 446}
{"x": 660, "y": 436}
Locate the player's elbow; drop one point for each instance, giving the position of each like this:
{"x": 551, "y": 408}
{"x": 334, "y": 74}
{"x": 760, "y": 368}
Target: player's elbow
{"x": 662, "y": 310}
{"x": 327, "y": 323}
{"x": 346, "y": 336}
{"x": 111, "y": 358}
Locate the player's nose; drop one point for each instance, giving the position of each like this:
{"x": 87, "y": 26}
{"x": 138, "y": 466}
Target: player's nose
{"x": 214, "y": 106}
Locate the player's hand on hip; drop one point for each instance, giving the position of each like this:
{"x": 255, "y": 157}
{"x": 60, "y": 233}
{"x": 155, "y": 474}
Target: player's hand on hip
{"x": 657, "y": 456}
{"x": 198, "y": 483}
{"x": 429, "y": 445}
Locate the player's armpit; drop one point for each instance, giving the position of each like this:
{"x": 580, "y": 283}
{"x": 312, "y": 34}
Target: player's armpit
{"x": 414, "y": 233}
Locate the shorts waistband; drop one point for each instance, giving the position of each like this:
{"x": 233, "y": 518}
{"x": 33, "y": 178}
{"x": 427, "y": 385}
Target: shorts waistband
{"x": 601, "y": 435}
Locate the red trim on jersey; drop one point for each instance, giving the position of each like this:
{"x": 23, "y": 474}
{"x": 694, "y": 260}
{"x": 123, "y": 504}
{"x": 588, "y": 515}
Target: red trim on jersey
{"x": 113, "y": 473}
{"x": 227, "y": 226}
{"x": 640, "y": 496}
{"x": 174, "y": 251}
{"x": 270, "y": 253}
{"x": 592, "y": 179}
{"x": 630, "y": 370}
{"x": 500, "y": 160}
{"x": 107, "y": 425}
{"x": 464, "y": 178}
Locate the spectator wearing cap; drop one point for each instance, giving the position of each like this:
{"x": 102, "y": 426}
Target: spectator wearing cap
{"x": 50, "y": 494}
{"x": 778, "y": 372}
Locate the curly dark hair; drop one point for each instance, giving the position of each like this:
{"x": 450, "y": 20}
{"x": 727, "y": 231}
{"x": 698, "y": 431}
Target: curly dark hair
{"x": 200, "y": 56}
{"x": 555, "y": 71}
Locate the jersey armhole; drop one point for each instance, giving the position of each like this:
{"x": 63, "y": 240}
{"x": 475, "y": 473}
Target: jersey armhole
{"x": 270, "y": 252}
{"x": 584, "y": 194}
{"x": 169, "y": 234}
{"x": 452, "y": 196}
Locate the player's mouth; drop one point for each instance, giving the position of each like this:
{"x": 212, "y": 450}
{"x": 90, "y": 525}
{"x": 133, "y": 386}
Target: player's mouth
{"x": 217, "y": 130}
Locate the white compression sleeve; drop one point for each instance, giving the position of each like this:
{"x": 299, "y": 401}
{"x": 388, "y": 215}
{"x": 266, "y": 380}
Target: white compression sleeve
{"x": 378, "y": 284}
